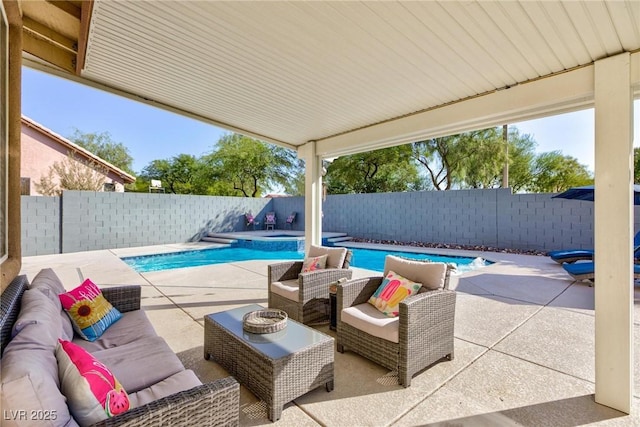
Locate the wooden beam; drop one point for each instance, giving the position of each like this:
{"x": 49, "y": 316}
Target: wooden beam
{"x": 67, "y": 7}
{"x": 83, "y": 37}
{"x": 48, "y": 52}
{"x": 38, "y": 30}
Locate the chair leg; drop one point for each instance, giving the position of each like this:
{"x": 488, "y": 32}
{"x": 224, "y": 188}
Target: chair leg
{"x": 340, "y": 348}
{"x": 404, "y": 378}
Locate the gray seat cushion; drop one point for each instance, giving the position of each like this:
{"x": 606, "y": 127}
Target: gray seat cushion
{"x": 133, "y": 326}
{"x": 140, "y": 364}
{"x": 182, "y": 381}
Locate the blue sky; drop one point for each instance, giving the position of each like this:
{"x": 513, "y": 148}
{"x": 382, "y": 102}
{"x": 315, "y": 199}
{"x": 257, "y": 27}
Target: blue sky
{"x": 151, "y": 133}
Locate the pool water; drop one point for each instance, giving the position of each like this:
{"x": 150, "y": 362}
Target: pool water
{"x": 362, "y": 258}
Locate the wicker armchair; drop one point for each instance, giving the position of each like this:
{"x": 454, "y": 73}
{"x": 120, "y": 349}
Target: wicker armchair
{"x": 423, "y": 331}
{"x": 305, "y": 296}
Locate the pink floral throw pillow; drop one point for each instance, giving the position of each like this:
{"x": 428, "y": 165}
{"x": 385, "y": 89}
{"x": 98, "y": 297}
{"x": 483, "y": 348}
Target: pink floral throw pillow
{"x": 93, "y": 393}
{"x": 393, "y": 289}
{"x": 90, "y": 312}
{"x": 314, "y": 263}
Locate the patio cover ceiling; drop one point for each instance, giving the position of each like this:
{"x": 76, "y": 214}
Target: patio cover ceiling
{"x": 349, "y": 75}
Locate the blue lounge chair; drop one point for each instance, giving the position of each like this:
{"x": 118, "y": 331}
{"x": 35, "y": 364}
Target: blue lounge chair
{"x": 585, "y": 271}
{"x": 572, "y": 255}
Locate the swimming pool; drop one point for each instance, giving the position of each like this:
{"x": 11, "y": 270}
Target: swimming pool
{"x": 363, "y": 258}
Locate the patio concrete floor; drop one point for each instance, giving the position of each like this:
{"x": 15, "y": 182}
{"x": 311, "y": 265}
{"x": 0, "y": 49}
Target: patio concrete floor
{"x": 524, "y": 344}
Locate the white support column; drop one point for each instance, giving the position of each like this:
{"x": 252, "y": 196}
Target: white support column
{"x": 313, "y": 195}
{"x": 613, "y": 233}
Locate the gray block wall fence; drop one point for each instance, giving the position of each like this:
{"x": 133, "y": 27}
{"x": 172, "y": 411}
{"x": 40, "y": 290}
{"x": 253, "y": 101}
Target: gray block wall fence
{"x": 40, "y": 228}
{"x": 90, "y": 220}
{"x": 84, "y": 220}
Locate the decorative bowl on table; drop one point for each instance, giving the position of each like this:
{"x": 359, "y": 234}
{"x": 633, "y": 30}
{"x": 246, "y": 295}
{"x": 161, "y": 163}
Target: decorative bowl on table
{"x": 266, "y": 321}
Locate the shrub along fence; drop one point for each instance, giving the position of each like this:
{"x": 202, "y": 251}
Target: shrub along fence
{"x": 84, "y": 220}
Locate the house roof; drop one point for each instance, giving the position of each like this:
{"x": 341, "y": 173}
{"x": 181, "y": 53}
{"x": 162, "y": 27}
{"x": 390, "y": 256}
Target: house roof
{"x": 127, "y": 178}
{"x": 349, "y": 75}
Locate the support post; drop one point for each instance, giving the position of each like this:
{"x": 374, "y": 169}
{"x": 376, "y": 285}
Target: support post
{"x": 11, "y": 266}
{"x": 313, "y": 195}
{"x": 613, "y": 233}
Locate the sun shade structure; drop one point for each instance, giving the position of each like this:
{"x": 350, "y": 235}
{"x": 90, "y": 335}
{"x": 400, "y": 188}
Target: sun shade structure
{"x": 294, "y": 72}
{"x": 335, "y": 78}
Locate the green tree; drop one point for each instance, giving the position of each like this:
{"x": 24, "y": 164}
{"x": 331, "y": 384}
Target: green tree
{"x": 295, "y": 184}
{"x": 483, "y": 167}
{"x": 554, "y": 172}
{"x": 179, "y": 175}
{"x": 465, "y": 160}
{"x": 481, "y": 160}
{"x": 247, "y": 167}
{"x": 104, "y": 147}
{"x": 636, "y": 165}
{"x": 72, "y": 173}
{"x": 385, "y": 170}
{"x": 521, "y": 160}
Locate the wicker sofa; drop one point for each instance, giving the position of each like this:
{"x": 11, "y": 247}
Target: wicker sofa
{"x": 161, "y": 391}
{"x": 421, "y": 335}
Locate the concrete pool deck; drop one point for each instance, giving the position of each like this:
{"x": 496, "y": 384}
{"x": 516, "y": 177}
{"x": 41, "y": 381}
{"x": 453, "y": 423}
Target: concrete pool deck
{"x": 524, "y": 347}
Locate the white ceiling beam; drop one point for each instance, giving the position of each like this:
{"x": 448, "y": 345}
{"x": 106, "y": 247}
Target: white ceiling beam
{"x": 557, "y": 94}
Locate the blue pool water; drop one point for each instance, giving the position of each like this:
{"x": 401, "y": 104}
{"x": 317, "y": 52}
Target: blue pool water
{"x": 363, "y": 258}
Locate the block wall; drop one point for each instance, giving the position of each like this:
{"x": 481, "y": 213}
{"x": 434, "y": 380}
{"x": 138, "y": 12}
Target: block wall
{"x": 83, "y": 220}
{"x": 40, "y": 229}
{"x": 95, "y": 220}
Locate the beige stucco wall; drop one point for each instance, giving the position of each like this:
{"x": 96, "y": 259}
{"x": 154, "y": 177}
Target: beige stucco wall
{"x": 40, "y": 152}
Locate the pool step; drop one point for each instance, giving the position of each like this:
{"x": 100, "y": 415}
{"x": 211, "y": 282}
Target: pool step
{"x": 340, "y": 239}
{"x": 218, "y": 240}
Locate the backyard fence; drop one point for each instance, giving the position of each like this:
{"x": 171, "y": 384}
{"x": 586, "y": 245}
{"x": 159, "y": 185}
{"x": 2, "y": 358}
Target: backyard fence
{"x": 84, "y": 220}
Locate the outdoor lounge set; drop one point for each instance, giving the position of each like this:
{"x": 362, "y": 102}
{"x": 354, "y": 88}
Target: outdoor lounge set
{"x": 90, "y": 356}
{"x": 402, "y": 320}
{"x": 57, "y": 372}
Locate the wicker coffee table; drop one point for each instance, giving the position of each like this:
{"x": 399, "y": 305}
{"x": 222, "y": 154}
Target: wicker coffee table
{"x": 276, "y": 367}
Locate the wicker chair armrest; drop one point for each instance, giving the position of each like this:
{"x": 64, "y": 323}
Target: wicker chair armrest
{"x": 123, "y": 298}
{"x": 283, "y": 271}
{"x": 419, "y": 312}
{"x": 212, "y": 404}
{"x": 356, "y": 291}
{"x": 315, "y": 284}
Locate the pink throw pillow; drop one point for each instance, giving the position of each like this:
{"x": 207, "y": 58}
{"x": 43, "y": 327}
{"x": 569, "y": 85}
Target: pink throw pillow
{"x": 93, "y": 393}
{"x": 314, "y": 263}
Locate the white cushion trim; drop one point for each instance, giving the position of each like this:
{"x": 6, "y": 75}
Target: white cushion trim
{"x": 287, "y": 288}
{"x": 368, "y": 319}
